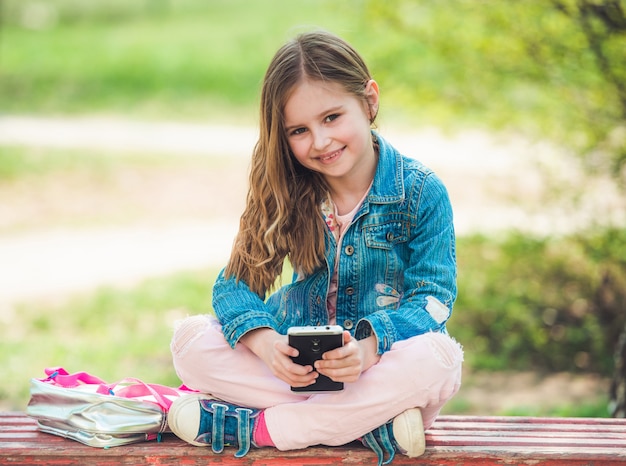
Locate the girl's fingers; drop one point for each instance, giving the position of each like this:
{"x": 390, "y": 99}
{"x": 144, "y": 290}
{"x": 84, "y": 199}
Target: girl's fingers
{"x": 344, "y": 374}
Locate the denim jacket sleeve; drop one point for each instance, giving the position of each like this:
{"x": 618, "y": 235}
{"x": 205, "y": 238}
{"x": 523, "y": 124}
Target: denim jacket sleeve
{"x": 239, "y": 309}
{"x": 429, "y": 277}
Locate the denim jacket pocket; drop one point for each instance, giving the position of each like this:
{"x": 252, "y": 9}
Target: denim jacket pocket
{"x": 386, "y": 235}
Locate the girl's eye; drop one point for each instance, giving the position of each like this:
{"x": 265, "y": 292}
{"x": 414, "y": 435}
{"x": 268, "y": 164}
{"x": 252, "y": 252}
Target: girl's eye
{"x": 297, "y": 131}
{"x": 330, "y": 118}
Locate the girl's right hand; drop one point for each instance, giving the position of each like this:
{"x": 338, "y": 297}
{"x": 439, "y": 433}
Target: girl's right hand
{"x": 274, "y": 350}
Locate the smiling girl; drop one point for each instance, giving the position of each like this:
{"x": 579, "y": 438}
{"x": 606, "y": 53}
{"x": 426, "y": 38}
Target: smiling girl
{"x": 369, "y": 234}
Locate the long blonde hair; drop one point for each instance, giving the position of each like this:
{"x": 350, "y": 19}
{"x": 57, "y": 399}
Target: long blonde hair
{"x": 282, "y": 218}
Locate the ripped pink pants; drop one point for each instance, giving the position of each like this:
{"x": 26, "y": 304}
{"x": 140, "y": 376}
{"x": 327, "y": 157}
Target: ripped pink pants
{"x": 423, "y": 371}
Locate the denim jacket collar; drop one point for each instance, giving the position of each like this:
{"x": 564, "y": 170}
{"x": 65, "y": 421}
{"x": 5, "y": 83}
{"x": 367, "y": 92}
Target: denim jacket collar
{"x": 388, "y": 186}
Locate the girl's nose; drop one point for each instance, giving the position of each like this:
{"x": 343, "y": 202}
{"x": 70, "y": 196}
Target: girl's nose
{"x": 321, "y": 139}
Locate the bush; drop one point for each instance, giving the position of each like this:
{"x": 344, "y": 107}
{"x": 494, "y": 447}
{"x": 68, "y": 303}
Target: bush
{"x": 554, "y": 304}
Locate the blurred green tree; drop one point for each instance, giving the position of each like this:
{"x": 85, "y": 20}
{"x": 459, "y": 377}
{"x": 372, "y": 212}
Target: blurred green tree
{"x": 553, "y": 69}
{"x": 617, "y": 406}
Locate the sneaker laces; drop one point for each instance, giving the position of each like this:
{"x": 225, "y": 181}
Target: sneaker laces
{"x": 381, "y": 442}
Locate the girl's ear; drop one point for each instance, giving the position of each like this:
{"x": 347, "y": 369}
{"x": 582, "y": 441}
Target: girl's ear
{"x": 372, "y": 95}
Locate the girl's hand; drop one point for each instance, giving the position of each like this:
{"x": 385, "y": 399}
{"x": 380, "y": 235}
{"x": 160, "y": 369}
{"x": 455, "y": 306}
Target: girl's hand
{"x": 346, "y": 364}
{"x": 273, "y": 349}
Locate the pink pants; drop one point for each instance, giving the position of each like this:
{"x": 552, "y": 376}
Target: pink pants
{"x": 423, "y": 371}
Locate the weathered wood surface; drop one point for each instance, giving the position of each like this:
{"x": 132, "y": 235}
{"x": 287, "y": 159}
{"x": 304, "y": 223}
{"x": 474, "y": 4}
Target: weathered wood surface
{"x": 453, "y": 440}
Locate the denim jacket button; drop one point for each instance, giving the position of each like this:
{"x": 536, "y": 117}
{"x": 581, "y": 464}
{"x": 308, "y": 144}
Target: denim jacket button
{"x": 348, "y": 324}
{"x": 349, "y": 250}
{"x": 390, "y": 236}
{"x": 349, "y": 291}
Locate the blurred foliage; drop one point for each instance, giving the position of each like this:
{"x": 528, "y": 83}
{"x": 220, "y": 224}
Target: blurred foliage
{"x": 172, "y": 58}
{"x": 552, "y": 304}
{"x": 553, "y": 69}
{"x": 549, "y": 68}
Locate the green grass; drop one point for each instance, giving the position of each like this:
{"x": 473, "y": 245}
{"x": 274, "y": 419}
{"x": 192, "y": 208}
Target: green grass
{"x": 112, "y": 333}
{"x": 596, "y": 407}
{"x": 593, "y": 408}
{"x": 189, "y": 58}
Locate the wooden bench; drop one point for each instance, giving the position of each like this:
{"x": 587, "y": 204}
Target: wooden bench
{"x": 453, "y": 440}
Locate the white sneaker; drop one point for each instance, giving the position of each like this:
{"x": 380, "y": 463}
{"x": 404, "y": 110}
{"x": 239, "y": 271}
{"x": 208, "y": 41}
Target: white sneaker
{"x": 408, "y": 432}
{"x": 404, "y": 433}
{"x": 201, "y": 420}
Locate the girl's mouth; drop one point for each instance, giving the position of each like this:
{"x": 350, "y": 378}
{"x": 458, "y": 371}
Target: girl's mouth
{"x": 331, "y": 156}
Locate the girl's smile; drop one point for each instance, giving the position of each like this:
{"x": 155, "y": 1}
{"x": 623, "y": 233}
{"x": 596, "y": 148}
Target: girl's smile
{"x": 330, "y": 157}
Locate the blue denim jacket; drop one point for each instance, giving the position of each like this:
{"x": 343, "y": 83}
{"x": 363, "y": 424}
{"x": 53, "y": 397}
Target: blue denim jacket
{"x": 397, "y": 267}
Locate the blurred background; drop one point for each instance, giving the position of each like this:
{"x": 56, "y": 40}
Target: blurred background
{"x": 125, "y": 135}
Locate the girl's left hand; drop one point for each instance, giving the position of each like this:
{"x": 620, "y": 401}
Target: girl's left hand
{"x": 346, "y": 364}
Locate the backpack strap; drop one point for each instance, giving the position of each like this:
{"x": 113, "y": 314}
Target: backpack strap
{"x": 59, "y": 376}
{"x": 126, "y": 388}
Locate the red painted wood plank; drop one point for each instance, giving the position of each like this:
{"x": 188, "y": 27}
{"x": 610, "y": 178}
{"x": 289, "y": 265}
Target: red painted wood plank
{"x": 453, "y": 440}
{"x": 531, "y": 420}
{"x": 525, "y": 433}
{"x": 564, "y": 443}
{"x": 447, "y": 430}
{"x": 524, "y": 424}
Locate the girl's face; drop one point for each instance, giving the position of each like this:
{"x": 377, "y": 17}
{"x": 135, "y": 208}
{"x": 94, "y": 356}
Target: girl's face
{"x": 328, "y": 130}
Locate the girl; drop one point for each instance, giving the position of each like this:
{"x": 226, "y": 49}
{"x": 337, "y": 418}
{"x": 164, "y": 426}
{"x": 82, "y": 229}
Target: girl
{"x": 369, "y": 234}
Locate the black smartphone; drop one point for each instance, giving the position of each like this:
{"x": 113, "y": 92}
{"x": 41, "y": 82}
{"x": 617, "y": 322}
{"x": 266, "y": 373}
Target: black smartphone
{"x": 311, "y": 342}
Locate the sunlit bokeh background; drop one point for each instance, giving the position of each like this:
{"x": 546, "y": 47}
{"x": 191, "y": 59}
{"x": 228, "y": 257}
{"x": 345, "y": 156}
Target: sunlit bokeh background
{"x": 125, "y": 135}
